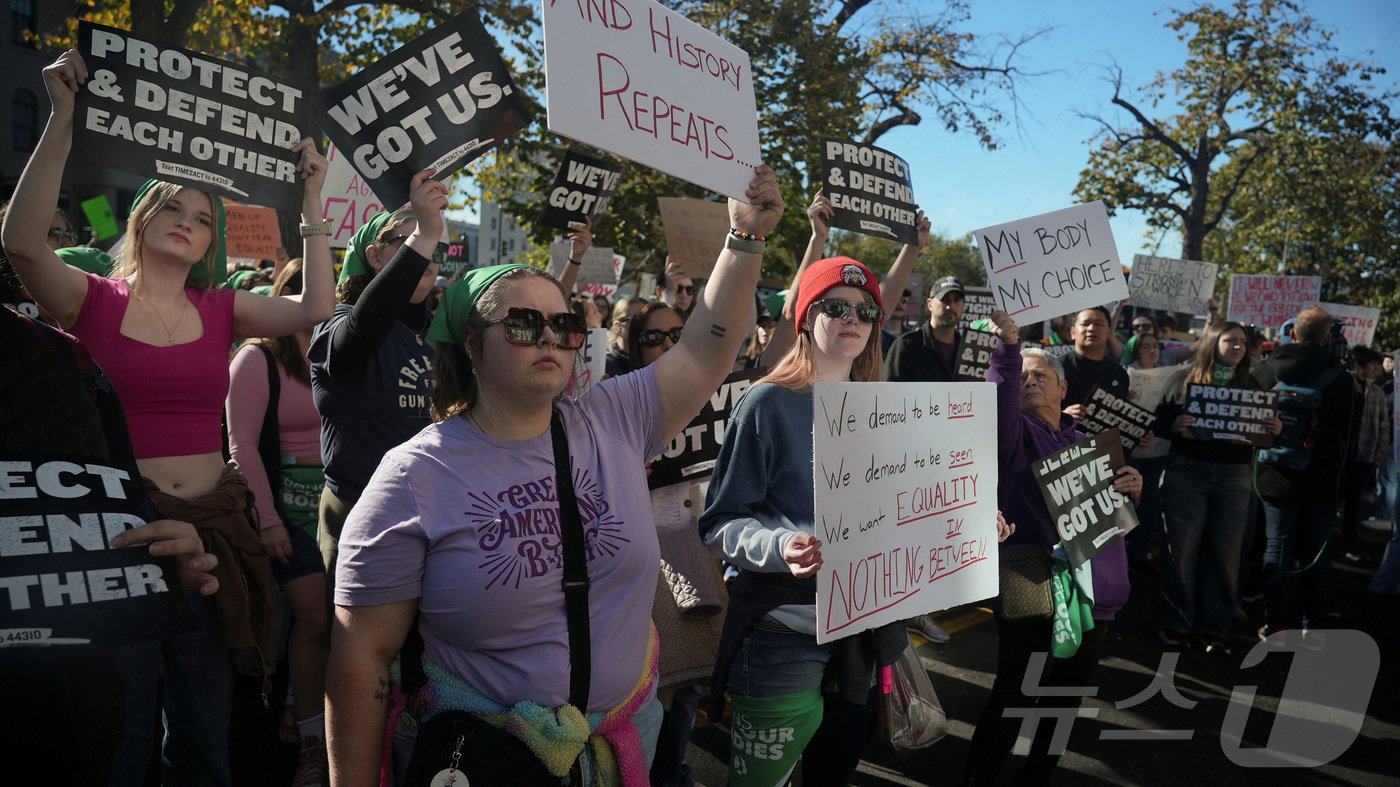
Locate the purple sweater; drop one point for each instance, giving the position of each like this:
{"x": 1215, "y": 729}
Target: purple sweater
{"x": 1022, "y": 439}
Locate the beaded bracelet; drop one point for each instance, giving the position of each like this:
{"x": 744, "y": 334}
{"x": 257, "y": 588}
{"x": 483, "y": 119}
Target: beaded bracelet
{"x": 741, "y": 235}
{"x": 575, "y": 262}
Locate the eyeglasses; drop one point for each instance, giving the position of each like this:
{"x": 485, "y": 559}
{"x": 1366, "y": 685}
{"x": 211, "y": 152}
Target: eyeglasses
{"x": 63, "y": 236}
{"x": 688, "y": 289}
{"x": 524, "y": 327}
{"x": 439, "y": 251}
{"x": 1142, "y": 327}
{"x": 654, "y": 337}
{"x": 837, "y": 309}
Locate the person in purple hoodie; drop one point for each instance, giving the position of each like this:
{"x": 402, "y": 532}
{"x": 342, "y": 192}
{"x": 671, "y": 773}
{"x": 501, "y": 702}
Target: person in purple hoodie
{"x": 1030, "y": 427}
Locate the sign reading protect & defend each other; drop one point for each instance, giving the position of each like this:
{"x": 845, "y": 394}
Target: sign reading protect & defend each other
{"x": 870, "y": 190}
{"x": 1231, "y": 415}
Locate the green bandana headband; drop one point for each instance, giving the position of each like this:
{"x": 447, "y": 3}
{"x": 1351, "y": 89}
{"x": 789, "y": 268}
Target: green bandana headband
{"x": 356, "y": 263}
{"x": 199, "y": 274}
{"x": 1129, "y": 347}
{"x": 86, "y": 258}
{"x": 459, "y": 301}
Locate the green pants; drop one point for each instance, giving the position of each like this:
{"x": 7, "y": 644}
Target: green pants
{"x": 333, "y": 513}
{"x": 768, "y": 736}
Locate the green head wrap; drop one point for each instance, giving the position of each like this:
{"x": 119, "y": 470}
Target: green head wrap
{"x": 263, "y": 289}
{"x": 459, "y": 301}
{"x": 237, "y": 278}
{"x": 356, "y": 264}
{"x": 199, "y": 275}
{"x": 774, "y": 303}
{"x": 1130, "y": 348}
{"x": 86, "y": 258}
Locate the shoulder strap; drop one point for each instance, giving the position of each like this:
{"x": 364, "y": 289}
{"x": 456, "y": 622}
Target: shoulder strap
{"x": 575, "y": 570}
{"x": 270, "y": 437}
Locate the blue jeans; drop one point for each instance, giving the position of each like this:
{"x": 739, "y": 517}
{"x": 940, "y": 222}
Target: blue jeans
{"x": 1387, "y": 578}
{"x": 1386, "y": 483}
{"x": 1297, "y": 562}
{"x": 1206, "y": 507}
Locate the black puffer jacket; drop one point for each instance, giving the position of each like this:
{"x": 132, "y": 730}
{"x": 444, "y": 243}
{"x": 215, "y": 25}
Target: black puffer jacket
{"x": 1338, "y": 421}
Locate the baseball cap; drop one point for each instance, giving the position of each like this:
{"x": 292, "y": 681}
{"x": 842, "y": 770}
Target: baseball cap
{"x": 946, "y": 285}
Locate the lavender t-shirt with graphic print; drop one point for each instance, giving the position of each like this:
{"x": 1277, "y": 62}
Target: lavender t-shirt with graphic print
{"x": 468, "y": 524}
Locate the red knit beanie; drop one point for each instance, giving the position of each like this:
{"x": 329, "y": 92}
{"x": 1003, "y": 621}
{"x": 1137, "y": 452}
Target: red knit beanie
{"x": 823, "y": 275}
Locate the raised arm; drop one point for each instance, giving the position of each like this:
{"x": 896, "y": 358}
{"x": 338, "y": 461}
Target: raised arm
{"x": 579, "y": 241}
{"x": 892, "y": 288}
{"x": 363, "y": 640}
{"x": 693, "y": 369}
{"x": 1005, "y": 371}
{"x": 819, "y": 214}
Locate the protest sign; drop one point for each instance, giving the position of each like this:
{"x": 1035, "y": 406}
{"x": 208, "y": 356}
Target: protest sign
{"x": 252, "y": 232}
{"x": 905, "y": 480}
{"x": 349, "y": 200}
{"x": 596, "y": 288}
{"x": 1231, "y": 415}
{"x": 975, "y": 356}
{"x": 582, "y": 189}
{"x": 1052, "y": 264}
{"x": 1171, "y": 285}
{"x": 159, "y": 111}
{"x": 1148, "y": 386}
{"x": 101, "y": 219}
{"x": 454, "y": 261}
{"x": 1358, "y": 322}
{"x": 1077, "y": 483}
{"x": 870, "y": 190}
{"x": 64, "y": 583}
{"x": 1104, "y": 411}
{"x": 635, "y": 78}
{"x": 589, "y": 362}
{"x": 1269, "y": 301}
{"x": 691, "y": 454}
{"x": 600, "y": 264}
{"x": 978, "y": 304}
{"x": 695, "y": 231}
{"x": 440, "y": 101}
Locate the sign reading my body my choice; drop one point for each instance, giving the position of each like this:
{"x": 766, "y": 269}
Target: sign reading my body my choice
{"x": 163, "y": 112}
{"x": 1077, "y": 484}
{"x": 870, "y": 190}
{"x": 1052, "y": 264}
{"x": 439, "y": 101}
{"x": 582, "y": 190}
{"x": 905, "y": 480}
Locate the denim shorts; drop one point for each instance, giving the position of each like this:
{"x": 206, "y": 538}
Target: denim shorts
{"x": 773, "y": 660}
{"x": 305, "y": 559}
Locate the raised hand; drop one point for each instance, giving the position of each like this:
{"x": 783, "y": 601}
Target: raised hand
{"x": 63, "y": 79}
{"x": 760, "y": 215}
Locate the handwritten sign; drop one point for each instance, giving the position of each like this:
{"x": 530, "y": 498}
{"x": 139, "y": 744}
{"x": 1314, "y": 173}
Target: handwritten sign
{"x": 253, "y": 232}
{"x": 905, "y": 490}
{"x": 691, "y": 454}
{"x": 600, "y": 263}
{"x": 870, "y": 190}
{"x": 1358, "y": 322}
{"x": 1104, "y": 411}
{"x": 1271, "y": 300}
{"x": 975, "y": 356}
{"x": 349, "y": 200}
{"x": 440, "y": 101}
{"x": 1052, "y": 264}
{"x": 1172, "y": 285}
{"x": 590, "y": 361}
{"x": 582, "y": 189}
{"x": 695, "y": 231}
{"x": 637, "y": 79}
{"x": 1231, "y": 415}
{"x": 160, "y": 111}
{"x": 978, "y": 304}
{"x": 1146, "y": 387}
{"x": 1077, "y": 484}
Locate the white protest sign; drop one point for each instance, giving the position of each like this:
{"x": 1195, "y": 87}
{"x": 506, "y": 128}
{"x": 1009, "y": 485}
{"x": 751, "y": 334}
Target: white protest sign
{"x": 1269, "y": 301}
{"x": 1172, "y": 285}
{"x": 1052, "y": 264}
{"x": 637, "y": 79}
{"x": 1358, "y": 322}
{"x": 905, "y": 486}
{"x": 348, "y": 199}
{"x": 600, "y": 264}
{"x": 590, "y": 361}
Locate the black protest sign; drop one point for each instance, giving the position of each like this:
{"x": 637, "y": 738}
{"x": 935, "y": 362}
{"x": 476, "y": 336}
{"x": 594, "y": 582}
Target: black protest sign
{"x": 1077, "y": 484}
{"x": 162, "y": 112}
{"x": 1105, "y": 411}
{"x": 978, "y": 304}
{"x": 62, "y": 583}
{"x": 870, "y": 190}
{"x": 582, "y": 189}
{"x": 439, "y": 101}
{"x": 975, "y": 356}
{"x": 692, "y": 453}
{"x": 1231, "y": 415}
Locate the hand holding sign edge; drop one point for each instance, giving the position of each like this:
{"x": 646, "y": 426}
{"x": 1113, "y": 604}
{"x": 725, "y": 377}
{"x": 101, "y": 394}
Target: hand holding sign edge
{"x": 759, "y": 216}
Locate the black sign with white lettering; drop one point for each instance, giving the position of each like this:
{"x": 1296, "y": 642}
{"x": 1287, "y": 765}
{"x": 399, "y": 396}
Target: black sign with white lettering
{"x": 1231, "y": 415}
{"x": 60, "y": 582}
{"x": 1077, "y": 484}
{"x": 1105, "y": 411}
{"x": 692, "y": 453}
{"x": 870, "y": 190}
{"x": 975, "y": 356}
{"x": 582, "y": 190}
{"x": 159, "y": 111}
{"x": 439, "y": 101}
{"x": 978, "y": 304}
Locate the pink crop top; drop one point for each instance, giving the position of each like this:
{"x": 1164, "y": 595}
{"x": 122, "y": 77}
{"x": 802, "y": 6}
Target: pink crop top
{"x": 173, "y": 396}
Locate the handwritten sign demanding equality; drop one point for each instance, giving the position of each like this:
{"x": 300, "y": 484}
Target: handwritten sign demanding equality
{"x": 637, "y": 79}
{"x": 1104, "y": 411}
{"x": 440, "y": 101}
{"x": 582, "y": 189}
{"x": 695, "y": 231}
{"x": 1231, "y": 415}
{"x": 159, "y": 111}
{"x": 252, "y": 232}
{"x": 692, "y": 453}
{"x": 978, "y": 304}
{"x": 1077, "y": 484}
{"x": 1052, "y": 264}
{"x": 1269, "y": 301}
{"x": 63, "y": 583}
{"x": 600, "y": 263}
{"x": 905, "y": 490}
{"x": 1358, "y": 322}
{"x": 349, "y": 200}
{"x": 870, "y": 190}
{"x": 975, "y": 356}
{"x": 1171, "y": 285}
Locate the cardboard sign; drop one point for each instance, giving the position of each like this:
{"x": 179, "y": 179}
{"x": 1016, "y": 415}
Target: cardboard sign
{"x": 1104, "y": 411}
{"x": 253, "y": 232}
{"x": 600, "y": 264}
{"x": 905, "y": 494}
{"x": 975, "y": 356}
{"x": 159, "y": 111}
{"x": 1077, "y": 484}
{"x": 590, "y": 362}
{"x": 103, "y": 221}
{"x": 635, "y": 78}
{"x": 1269, "y": 301}
{"x": 63, "y": 584}
{"x": 978, "y": 305}
{"x": 1358, "y": 322}
{"x": 349, "y": 200}
{"x": 1052, "y": 264}
{"x": 1231, "y": 415}
{"x": 1172, "y": 285}
{"x": 582, "y": 189}
{"x": 439, "y": 101}
{"x": 870, "y": 190}
{"x": 695, "y": 231}
{"x": 692, "y": 453}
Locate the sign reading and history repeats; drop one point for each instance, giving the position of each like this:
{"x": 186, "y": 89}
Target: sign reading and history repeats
{"x": 1269, "y": 301}
{"x": 870, "y": 190}
{"x": 582, "y": 189}
{"x": 692, "y": 453}
{"x": 1077, "y": 484}
{"x": 1171, "y": 285}
{"x": 1231, "y": 415}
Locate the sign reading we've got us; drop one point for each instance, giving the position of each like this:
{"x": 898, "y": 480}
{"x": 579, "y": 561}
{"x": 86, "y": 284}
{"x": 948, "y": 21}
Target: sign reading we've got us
{"x": 905, "y": 494}
{"x": 1077, "y": 484}
{"x": 582, "y": 190}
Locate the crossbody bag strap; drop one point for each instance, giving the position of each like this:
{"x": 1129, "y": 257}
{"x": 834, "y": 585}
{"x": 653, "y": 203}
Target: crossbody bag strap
{"x": 575, "y": 571}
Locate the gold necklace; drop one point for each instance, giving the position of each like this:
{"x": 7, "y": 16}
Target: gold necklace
{"x": 169, "y": 332}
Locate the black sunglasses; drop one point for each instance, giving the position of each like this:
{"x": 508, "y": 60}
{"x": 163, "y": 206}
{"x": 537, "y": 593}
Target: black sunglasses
{"x": 654, "y": 337}
{"x": 439, "y": 251}
{"x": 837, "y": 309}
{"x": 64, "y": 236}
{"x": 1142, "y": 327}
{"x": 689, "y": 289}
{"x": 524, "y": 327}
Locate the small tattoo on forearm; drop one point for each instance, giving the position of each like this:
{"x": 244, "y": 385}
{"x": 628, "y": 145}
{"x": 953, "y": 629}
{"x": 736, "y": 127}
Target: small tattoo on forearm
{"x": 382, "y": 693}
{"x": 718, "y": 331}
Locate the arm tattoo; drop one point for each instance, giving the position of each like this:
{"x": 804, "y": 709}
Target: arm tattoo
{"x": 382, "y": 693}
{"x": 718, "y": 331}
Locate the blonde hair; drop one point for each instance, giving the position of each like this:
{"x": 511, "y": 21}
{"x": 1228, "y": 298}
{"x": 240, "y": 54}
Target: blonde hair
{"x": 128, "y": 258}
{"x": 798, "y": 368}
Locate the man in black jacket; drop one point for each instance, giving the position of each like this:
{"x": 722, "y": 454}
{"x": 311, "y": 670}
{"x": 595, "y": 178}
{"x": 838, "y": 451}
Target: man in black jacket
{"x": 930, "y": 354}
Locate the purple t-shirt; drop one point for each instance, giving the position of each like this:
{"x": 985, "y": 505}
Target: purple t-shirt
{"x": 468, "y": 525}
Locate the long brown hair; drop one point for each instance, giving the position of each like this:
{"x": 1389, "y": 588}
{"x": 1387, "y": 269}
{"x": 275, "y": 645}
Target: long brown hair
{"x": 798, "y": 367}
{"x": 1203, "y": 364}
{"x": 128, "y": 258}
